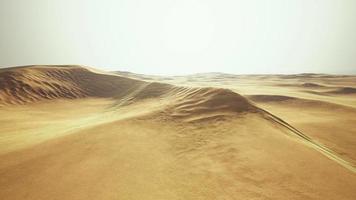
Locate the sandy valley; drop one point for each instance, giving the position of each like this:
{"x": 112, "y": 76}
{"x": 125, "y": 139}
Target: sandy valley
{"x": 73, "y": 132}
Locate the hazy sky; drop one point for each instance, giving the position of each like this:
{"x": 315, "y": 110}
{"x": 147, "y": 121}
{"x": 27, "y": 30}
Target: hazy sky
{"x": 182, "y": 36}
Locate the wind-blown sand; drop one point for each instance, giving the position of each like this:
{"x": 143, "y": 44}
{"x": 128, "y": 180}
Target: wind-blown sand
{"x": 71, "y": 132}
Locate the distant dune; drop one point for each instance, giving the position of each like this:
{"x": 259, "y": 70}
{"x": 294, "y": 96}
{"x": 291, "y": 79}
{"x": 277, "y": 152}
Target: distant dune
{"x": 73, "y": 132}
{"x": 344, "y": 90}
{"x": 270, "y": 98}
{"x": 312, "y": 85}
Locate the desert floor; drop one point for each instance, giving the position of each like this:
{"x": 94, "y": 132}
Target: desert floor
{"x": 72, "y": 132}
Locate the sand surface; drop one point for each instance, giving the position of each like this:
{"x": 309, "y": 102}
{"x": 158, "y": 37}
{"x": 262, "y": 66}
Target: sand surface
{"x": 71, "y": 132}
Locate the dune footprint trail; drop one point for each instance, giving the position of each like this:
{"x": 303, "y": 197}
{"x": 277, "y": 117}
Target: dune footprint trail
{"x": 83, "y": 134}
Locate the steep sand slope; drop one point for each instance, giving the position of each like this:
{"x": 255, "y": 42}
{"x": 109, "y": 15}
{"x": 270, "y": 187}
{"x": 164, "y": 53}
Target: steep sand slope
{"x": 329, "y": 123}
{"x": 147, "y": 140}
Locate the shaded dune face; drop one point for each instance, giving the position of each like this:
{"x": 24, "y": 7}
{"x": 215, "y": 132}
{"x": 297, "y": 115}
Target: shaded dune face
{"x": 270, "y": 98}
{"x": 33, "y": 84}
{"x": 312, "y": 85}
{"x": 210, "y": 103}
{"x": 343, "y": 90}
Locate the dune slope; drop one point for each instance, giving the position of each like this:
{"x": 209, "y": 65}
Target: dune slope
{"x": 82, "y": 134}
{"x": 36, "y": 83}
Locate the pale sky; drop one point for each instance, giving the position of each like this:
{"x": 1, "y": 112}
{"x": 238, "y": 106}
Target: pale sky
{"x": 168, "y": 37}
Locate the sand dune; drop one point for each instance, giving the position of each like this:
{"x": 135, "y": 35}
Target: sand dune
{"x": 86, "y": 134}
{"x": 330, "y": 123}
{"x": 312, "y": 85}
{"x": 344, "y": 90}
{"x": 35, "y": 83}
{"x": 208, "y": 103}
{"x": 270, "y": 98}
